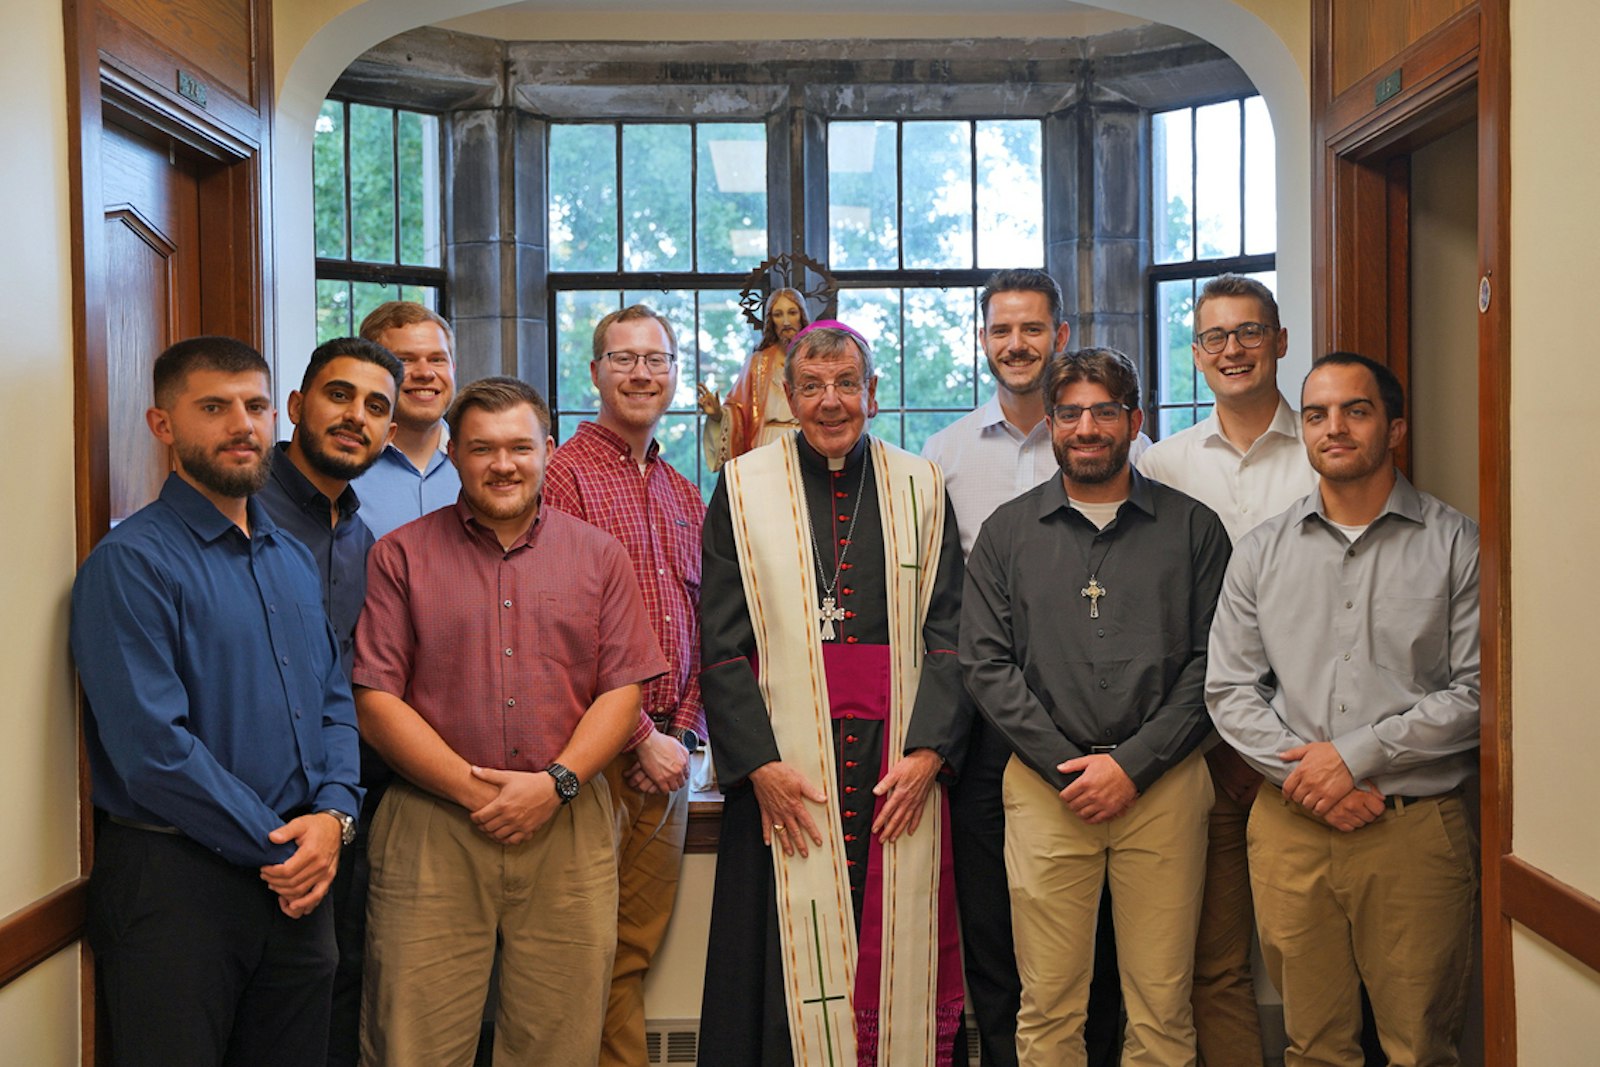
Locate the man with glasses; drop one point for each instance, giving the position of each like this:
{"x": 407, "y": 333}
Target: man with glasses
{"x": 611, "y": 474}
{"x": 1245, "y": 462}
{"x": 1085, "y": 617}
{"x": 997, "y": 452}
{"x": 829, "y": 613}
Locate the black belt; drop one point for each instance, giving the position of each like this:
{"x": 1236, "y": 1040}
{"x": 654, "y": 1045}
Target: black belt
{"x": 135, "y": 824}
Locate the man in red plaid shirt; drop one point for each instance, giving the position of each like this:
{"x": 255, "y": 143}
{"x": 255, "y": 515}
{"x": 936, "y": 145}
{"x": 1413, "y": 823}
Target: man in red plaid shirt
{"x": 611, "y": 474}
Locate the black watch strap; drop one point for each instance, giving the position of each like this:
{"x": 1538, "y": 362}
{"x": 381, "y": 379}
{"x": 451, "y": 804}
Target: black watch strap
{"x": 567, "y": 784}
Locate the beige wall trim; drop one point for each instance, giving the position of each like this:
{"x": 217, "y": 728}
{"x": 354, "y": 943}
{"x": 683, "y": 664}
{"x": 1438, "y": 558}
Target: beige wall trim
{"x": 32, "y": 935}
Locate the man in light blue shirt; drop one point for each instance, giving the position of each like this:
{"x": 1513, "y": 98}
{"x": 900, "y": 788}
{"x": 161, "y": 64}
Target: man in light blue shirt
{"x": 412, "y": 476}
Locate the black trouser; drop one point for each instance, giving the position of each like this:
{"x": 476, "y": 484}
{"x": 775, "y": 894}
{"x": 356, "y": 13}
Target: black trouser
{"x": 197, "y": 965}
{"x": 978, "y": 833}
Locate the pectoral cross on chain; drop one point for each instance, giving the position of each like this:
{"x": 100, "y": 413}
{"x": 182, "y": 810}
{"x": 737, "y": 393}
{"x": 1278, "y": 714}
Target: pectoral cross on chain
{"x": 829, "y": 614}
{"x": 1094, "y": 591}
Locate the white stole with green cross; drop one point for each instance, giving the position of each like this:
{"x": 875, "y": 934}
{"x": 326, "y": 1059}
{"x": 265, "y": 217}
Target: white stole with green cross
{"x": 815, "y": 919}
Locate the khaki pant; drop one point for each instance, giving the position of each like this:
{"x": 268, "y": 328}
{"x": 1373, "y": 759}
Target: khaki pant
{"x": 650, "y": 830}
{"x": 1227, "y": 1024}
{"x": 1392, "y": 905}
{"x": 441, "y": 890}
{"x": 1155, "y": 857}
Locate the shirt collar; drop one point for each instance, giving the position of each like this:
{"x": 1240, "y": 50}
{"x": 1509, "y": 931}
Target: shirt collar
{"x": 391, "y": 454}
{"x": 300, "y": 489}
{"x": 1284, "y": 423}
{"x": 1054, "y": 496}
{"x": 477, "y": 531}
{"x": 610, "y": 439}
{"x": 990, "y": 414}
{"x": 816, "y": 461}
{"x": 1404, "y": 501}
{"x": 202, "y": 516}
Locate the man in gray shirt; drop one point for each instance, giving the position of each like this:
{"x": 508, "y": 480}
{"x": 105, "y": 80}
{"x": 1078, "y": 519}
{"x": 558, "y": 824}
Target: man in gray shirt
{"x": 1084, "y": 623}
{"x": 1344, "y": 667}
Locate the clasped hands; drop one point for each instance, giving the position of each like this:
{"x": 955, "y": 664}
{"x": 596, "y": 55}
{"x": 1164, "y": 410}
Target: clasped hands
{"x": 1323, "y": 785}
{"x": 782, "y": 793}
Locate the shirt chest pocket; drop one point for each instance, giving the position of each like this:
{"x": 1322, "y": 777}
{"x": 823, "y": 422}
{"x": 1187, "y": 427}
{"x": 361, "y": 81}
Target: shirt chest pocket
{"x": 684, "y": 552}
{"x": 1409, "y": 635}
{"x": 563, "y": 630}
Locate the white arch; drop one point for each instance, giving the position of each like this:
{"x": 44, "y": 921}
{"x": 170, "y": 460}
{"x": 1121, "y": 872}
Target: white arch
{"x": 314, "y": 49}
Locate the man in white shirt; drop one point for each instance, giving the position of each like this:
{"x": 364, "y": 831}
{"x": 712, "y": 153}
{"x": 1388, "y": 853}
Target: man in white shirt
{"x": 1244, "y": 461}
{"x": 996, "y": 453}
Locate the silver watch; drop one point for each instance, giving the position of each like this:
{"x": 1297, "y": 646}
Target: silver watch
{"x": 347, "y": 824}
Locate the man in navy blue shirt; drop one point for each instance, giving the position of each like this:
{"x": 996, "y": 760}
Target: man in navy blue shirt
{"x": 343, "y": 415}
{"x": 221, "y": 742}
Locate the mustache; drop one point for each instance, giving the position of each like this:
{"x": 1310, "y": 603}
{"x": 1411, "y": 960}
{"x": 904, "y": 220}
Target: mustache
{"x": 351, "y": 428}
{"x": 247, "y": 440}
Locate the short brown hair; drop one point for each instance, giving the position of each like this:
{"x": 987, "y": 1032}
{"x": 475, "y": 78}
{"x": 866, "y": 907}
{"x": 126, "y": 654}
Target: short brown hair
{"x": 630, "y": 314}
{"x": 398, "y": 314}
{"x": 1022, "y": 280}
{"x": 223, "y": 354}
{"x": 496, "y": 394}
{"x": 1238, "y": 285}
{"x": 1103, "y": 366}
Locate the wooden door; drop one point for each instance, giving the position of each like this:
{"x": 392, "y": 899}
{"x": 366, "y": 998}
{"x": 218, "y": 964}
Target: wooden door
{"x": 152, "y": 295}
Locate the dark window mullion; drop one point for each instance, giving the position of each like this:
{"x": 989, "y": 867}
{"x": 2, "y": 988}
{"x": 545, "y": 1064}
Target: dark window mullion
{"x": 621, "y": 231}
{"x": 349, "y": 202}
{"x": 394, "y": 179}
{"x": 900, "y": 203}
{"x": 694, "y": 196}
{"x": 972, "y": 175}
{"x": 1242, "y": 206}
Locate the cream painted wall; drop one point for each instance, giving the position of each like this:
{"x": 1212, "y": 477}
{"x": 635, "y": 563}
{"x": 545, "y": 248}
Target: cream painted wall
{"x": 38, "y": 761}
{"x": 1555, "y": 513}
{"x": 1555, "y": 228}
{"x": 1558, "y": 1005}
{"x": 535, "y": 21}
{"x": 39, "y": 1014}
{"x": 1444, "y": 318}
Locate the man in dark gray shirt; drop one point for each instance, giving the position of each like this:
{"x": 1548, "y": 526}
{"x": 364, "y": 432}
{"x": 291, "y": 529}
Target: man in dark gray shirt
{"x": 343, "y": 415}
{"x": 1084, "y": 625}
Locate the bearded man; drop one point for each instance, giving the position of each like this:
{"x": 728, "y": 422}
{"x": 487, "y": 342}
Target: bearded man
{"x": 221, "y": 743}
{"x": 1084, "y": 625}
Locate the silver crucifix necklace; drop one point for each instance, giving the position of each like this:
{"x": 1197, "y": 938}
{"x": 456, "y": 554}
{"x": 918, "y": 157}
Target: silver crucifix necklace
{"x": 830, "y": 612}
{"x": 1094, "y": 590}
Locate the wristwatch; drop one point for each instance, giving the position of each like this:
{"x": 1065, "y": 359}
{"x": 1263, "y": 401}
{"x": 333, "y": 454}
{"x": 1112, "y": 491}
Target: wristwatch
{"x": 687, "y": 738}
{"x": 567, "y": 784}
{"x": 347, "y": 824}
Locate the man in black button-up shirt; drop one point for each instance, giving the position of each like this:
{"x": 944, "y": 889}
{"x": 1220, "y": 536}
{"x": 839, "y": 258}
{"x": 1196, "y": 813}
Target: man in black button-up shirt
{"x": 343, "y": 415}
{"x": 1084, "y": 625}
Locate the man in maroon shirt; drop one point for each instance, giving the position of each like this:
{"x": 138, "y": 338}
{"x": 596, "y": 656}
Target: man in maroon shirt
{"x": 611, "y": 474}
{"x": 499, "y": 660}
